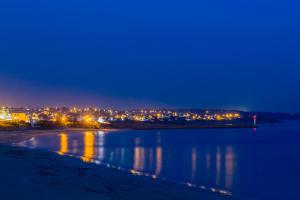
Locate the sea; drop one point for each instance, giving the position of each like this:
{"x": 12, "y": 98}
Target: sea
{"x": 261, "y": 163}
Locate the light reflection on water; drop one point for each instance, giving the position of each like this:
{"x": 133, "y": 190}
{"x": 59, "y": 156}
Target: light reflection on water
{"x": 63, "y": 144}
{"x": 238, "y": 161}
{"x": 89, "y": 147}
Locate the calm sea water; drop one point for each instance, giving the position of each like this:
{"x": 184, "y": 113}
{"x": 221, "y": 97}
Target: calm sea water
{"x": 254, "y": 164}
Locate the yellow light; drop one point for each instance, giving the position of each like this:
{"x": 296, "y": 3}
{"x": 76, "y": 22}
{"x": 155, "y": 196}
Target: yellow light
{"x": 236, "y": 115}
{"x": 87, "y": 118}
{"x": 219, "y": 117}
{"x": 63, "y": 144}
{"x": 20, "y": 117}
{"x": 89, "y": 152}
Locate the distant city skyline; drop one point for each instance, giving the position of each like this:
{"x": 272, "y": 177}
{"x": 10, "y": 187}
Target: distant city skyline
{"x": 175, "y": 54}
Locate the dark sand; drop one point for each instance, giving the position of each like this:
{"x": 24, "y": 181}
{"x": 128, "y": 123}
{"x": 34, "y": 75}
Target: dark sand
{"x": 38, "y": 175}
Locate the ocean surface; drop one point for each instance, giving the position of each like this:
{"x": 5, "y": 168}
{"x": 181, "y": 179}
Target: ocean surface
{"x": 262, "y": 163}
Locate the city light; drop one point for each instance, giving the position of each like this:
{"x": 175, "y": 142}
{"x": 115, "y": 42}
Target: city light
{"x": 96, "y": 117}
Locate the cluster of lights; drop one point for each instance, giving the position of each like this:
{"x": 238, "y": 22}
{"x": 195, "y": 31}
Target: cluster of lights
{"x": 94, "y": 115}
{"x": 6, "y": 115}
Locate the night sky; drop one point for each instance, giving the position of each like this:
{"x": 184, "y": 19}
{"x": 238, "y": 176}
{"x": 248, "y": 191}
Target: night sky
{"x": 242, "y": 54}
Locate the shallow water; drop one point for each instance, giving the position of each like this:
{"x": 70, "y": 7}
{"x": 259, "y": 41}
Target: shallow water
{"x": 255, "y": 164}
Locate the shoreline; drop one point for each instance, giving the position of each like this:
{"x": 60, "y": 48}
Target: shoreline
{"x": 62, "y": 177}
{"x": 52, "y": 176}
{"x": 136, "y": 126}
{"x": 188, "y": 128}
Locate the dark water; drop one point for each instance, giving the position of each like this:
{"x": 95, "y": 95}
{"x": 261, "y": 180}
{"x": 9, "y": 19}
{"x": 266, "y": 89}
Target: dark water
{"x": 253, "y": 164}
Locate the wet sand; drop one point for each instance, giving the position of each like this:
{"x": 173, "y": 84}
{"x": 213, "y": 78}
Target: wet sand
{"x": 34, "y": 174}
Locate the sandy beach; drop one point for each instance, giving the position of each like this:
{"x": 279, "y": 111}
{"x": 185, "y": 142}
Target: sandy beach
{"x": 34, "y": 174}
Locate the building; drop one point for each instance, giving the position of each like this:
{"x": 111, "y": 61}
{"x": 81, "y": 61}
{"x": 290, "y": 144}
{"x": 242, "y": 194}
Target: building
{"x": 5, "y": 114}
{"x": 20, "y": 117}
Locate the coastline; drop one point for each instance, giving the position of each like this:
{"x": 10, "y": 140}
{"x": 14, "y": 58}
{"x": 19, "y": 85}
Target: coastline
{"x": 135, "y": 126}
{"x": 18, "y": 135}
{"x": 36, "y": 174}
{"x": 182, "y": 125}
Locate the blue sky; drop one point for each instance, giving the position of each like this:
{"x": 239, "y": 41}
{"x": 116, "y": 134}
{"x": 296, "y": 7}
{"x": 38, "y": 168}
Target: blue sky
{"x": 190, "y": 54}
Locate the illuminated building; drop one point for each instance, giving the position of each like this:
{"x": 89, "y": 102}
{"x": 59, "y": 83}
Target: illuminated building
{"x": 20, "y": 117}
{"x": 5, "y": 115}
